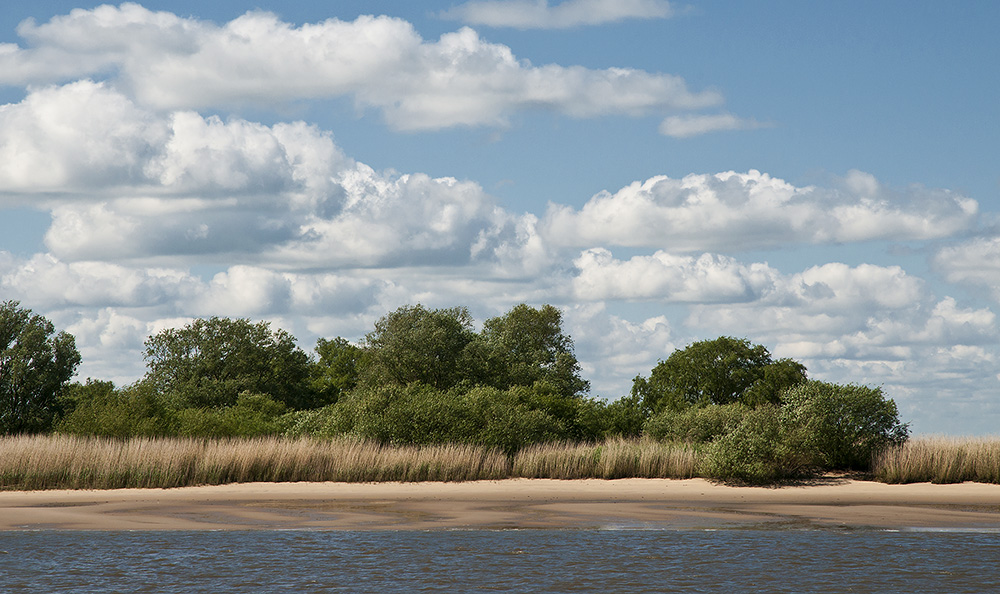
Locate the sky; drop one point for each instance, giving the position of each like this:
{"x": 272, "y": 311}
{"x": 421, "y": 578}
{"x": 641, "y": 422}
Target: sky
{"x": 819, "y": 178}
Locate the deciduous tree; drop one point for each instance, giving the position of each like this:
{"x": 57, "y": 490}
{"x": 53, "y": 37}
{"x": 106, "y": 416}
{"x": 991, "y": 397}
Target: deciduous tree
{"x": 36, "y": 363}
{"x": 211, "y": 361}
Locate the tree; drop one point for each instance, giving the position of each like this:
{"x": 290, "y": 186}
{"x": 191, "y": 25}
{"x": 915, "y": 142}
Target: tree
{"x": 211, "y": 361}
{"x": 527, "y": 345}
{"x": 336, "y": 371}
{"x": 416, "y": 344}
{"x": 845, "y": 426}
{"x": 35, "y": 366}
{"x": 719, "y": 371}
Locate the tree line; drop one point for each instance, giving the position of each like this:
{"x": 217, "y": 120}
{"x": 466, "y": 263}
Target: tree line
{"x": 426, "y": 376}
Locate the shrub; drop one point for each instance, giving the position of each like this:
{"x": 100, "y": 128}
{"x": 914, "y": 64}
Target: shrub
{"x": 700, "y": 424}
{"x": 133, "y": 411}
{"x": 844, "y": 425}
{"x": 760, "y": 449}
{"x": 253, "y": 415}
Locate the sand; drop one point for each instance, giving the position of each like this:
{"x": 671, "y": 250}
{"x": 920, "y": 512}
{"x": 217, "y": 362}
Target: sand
{"x": 515, "y": 503}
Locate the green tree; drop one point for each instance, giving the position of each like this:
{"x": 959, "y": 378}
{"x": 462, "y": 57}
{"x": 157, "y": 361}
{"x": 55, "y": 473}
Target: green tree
{"x": 36, "y": 363}
{"x": 211, "y": 361}
{"x": 527, "y": 345}
{"x": 336, "y": 371}
{"x": 98, "y": 409}
{"x": 720, "y": 371}
{"x": 844, "y": 425}
{"x": 416, "y": 344}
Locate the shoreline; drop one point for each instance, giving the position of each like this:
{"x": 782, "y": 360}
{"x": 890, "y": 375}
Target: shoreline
{"x": 509, "y": 504}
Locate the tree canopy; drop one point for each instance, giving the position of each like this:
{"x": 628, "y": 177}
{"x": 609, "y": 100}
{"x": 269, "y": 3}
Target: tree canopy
{"x": 720, "y": 371}
{"x": 36, "y": 363}
{"x": 416, "y": 344}
{"x": 209, "y": 362}
{"x": 527, "y": 345}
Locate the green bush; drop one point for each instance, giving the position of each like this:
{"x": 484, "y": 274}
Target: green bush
{"x": 625, "y": 417}
{"x": 133, "y": 411}
{"x": 760, "y": 449}
{"x": 253, "y": 415}
{"x": 699, "y": 424}
{"x": 844, "y": 425}
{"x": 420, "y": 414}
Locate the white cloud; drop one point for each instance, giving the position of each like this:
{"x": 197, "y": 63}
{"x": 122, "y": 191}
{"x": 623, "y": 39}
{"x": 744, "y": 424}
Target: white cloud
{"x": 975, "y": 262}
{"x": 670, "y": 278}
{"x": 173, "y": 63}
{"x": 180, "y": 184}
{"x": 740, "y": 211}
{"x": 73, "y": 137}
{"x": 537, "y": 14}
{"x": 686, "y": 126}
{"x": 613, "y": 350}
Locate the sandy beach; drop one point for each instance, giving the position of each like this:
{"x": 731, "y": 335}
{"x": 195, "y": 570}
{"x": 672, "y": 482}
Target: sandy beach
{"x": 515, "y": 503}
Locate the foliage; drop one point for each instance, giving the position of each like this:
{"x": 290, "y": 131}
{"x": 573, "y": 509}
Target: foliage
{"x": 760, "y": 449}
{"x": 421, "y": 414}
{"x": 416, "y": 344}
{"x": 253, "y": 415}
{"x": 527, "y": 345}
{"x": 625, "y": 417}
{"x": 720, "y": 371}
{"x": 845, "y": 425}
{"x": 209, "y": 362}
{"x": 697, "y": 424}
{"x": 133, "y": 411}
{"x": 336, "y": 371}
{"x": 35, "y": 366}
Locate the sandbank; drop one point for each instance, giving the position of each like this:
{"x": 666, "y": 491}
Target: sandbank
{"x": 508, "y": 504}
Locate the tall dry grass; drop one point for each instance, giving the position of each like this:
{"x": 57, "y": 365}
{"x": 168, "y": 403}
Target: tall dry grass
{"x": 616, "y": 458}
{"x": 940, "y": 460}
{"x": 68, "y": 462}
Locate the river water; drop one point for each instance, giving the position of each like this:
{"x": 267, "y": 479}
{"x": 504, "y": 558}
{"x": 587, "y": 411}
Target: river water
{"x": 730, "y": 560}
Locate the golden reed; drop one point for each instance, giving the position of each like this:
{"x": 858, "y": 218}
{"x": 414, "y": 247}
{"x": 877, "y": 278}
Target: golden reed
{"x": 940, "y": 460}
{"x": 69, "y": 462}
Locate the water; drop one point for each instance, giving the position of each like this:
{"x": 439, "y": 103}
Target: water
{"x": 731, "y": 561}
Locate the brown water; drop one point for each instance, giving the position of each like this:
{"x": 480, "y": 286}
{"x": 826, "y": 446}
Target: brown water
{"x": 731, "y": 561}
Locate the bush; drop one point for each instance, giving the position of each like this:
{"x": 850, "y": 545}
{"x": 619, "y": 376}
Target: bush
{"x": 844, "y": 425}
{"x": 700, "y": 424}
{"x": 760, "y": 449}
{"x": 253, "y": 415}
{"x": 133, "y": 411}
{"x": 625, "y": 417}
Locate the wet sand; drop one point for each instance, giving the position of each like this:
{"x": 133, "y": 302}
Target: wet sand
{"x": 515, "y": 503}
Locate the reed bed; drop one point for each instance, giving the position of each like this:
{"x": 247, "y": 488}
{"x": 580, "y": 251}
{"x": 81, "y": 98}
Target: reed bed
{"x": 940, "y": 460}
{"x": 68, "y": 462}
{"x": 617, "y": 458}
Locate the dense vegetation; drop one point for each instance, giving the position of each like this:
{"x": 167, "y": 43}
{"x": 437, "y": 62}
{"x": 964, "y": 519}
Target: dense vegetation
{"x": 426, "y": 377}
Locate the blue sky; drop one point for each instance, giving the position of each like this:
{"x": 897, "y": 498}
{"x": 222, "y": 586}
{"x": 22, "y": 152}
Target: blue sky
{"x": 821, "y": 179}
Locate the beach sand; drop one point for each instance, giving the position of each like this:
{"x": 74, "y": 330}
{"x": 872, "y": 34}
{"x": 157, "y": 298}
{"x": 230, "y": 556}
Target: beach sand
{"x": 506, "y": 504}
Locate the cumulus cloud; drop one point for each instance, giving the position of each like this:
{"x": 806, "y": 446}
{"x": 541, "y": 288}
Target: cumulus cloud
{"x": 670, "y": 278}
{"x": 173, "y": 63}
{"x": 686, "y": 126}
{"x": 158, "y": 185}
{"x": 975, "y": 262}
{"x": 613, "y": 350}
{"x": 537, "y": 14}
{"x": 742, "y": 211}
